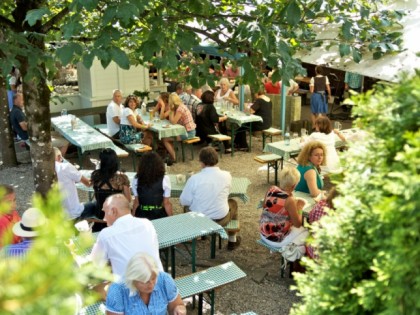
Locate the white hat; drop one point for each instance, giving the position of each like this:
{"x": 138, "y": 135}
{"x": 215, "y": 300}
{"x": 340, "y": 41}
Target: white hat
{"x": 31, "y": 219}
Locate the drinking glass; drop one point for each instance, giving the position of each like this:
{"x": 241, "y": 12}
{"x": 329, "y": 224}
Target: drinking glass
{"x": 295, "y": 135}
{"x": 64, "y": 112}
{"x": 303, "y": 132}
{"x": 337, "y": 125}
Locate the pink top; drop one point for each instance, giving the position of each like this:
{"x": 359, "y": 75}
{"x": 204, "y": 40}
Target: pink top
{"x": 186, "y": 119}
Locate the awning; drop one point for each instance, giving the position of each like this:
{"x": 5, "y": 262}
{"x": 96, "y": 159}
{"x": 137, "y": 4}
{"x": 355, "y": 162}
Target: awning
{"x": 386, "y": 68}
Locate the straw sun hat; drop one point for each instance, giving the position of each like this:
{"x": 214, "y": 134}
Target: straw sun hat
{"x": 32, "y": 219}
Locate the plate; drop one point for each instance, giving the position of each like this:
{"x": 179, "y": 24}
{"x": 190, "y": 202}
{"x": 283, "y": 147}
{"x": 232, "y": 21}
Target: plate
{"x": 166, "y": 126}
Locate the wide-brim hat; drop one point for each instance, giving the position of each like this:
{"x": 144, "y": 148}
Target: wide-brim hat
{"x": 32, "y": 219}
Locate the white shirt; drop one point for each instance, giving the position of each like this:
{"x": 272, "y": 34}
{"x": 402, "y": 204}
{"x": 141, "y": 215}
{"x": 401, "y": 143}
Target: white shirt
{"x": 166, "y": 185}
{"x": 331, "y": 156}
{"x": 127, "y": 111}
{"x": 113, "y": 110}
{"x": 67, "y": 176}
{"x": 219, "y": 97}
{"x": 121, "y": 241}
{"x": 207, "y": 192}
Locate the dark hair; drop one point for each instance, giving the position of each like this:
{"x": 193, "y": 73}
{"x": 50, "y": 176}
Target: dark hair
{"x": 108, "y": 167}
{"x": 151, "y": 168}
{"x": 208, "y": 156}
{"x": 331, "y": 196}
{"x": 165, "y": 97}
{"x": 319, "y": 70}
{"x": 131, "y": 97}
{"x": 324, "y": 124}
{"x": 179, "y": 87}
{"x": 7, "y": 189}
{"x": 207, "y": 97}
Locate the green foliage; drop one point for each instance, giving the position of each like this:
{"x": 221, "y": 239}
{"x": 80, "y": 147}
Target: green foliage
{"x": 369, "y": 246}
{"x": 47, "y": 279}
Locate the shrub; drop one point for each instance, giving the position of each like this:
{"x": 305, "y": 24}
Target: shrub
{"x": 369, "y": 247}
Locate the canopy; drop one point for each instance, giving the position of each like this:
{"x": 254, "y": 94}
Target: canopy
{"x": 388, "y": 67}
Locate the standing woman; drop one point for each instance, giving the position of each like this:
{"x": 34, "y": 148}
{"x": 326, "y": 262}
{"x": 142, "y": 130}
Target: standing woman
{"x": 225, "y": 93}
{"x": 151, "y": 188}
{"x": 309, "y": 161}
{"x": 318, "y": 86}
{"x": 107, "y": 181}
{"x": 262, "y": 107}
{"x": 178, "y": 114}
{"x": 131, "y": 121}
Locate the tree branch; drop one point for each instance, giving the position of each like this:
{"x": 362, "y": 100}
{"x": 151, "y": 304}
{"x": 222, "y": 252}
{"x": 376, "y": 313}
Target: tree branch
{"x": 56, "y": 18}
{"x": 213, "y": 37}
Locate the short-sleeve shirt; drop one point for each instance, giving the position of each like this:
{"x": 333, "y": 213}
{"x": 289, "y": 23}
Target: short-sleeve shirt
{"x": 186, "y": 119}
{"x": 127, "y": 111}
{"x": 113, "y": 110}
{"x": 272, "y": 88}
{"x": 166, "y": 185}
{"x": 120, "y": 301}
{"x": 16, "y": 117}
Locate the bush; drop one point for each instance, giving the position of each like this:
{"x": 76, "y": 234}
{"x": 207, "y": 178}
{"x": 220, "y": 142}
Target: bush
{"x": 369, "y": 247}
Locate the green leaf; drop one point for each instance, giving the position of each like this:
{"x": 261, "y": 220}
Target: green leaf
{"x": 346, "y": 29}
{"x": 67, "y": 52}
{"x": 35, "y": 15}
{"x": 120, "y": 58}
{"x": 357, "y": 55}
{"x": 90, "y": 5}
{"x": 344, "y": 49}
{"x": 377, "y": 55}
{"x": 109, "y": 15}
{"x": 293, "y": 14}
{"x": 88, "y": 60}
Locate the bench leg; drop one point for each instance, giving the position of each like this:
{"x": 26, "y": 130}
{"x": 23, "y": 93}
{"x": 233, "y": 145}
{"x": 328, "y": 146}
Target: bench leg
{"x": 212, "y": 295}
{"x": 173, "y": 261}
{"x": 193, "y": 251}
{"x": 200, "y": 304}
{"x": 213, "y": 246}
{"x": 263, "y": 136}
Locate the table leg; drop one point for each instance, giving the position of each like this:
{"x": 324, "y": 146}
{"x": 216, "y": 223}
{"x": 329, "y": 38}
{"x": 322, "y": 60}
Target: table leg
{"x": 232, "y": 139}
{"x": 276, "y": 168}
{"x": 200, "y": 304}
{"x": 212, "y": 293}
{"x": 193, "y": 243}
{"x": 173, "y": 261}
{"x": 213, "y": 246}
{"x": 250, "y": 136}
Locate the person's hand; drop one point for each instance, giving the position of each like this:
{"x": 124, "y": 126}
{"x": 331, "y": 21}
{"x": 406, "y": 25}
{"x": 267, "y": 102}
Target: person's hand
{"x": 300, "y": 204}
{"x": 180, "y": 310}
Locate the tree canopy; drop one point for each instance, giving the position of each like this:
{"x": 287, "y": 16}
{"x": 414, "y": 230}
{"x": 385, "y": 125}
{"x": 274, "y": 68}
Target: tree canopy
{"x": 36, "y": 34}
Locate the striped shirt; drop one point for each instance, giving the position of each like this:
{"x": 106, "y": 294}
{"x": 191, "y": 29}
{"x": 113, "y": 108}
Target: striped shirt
{"x": 186, "y": 119}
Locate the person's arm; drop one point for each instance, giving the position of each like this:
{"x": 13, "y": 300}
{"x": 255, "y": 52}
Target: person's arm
{"x": 23, "y": 125}
{"x": 232, "y": 98}
{"x": 168, "y": 206}
{"x": 134, "y": 122}
{"x": 312, "y": 85}
{"x": 177, "y": 307}
{"x": 187, "y": 194}
{"x": 174, "y": 116}
{"x": 127, "y": 192}
{"x": 135, "y": 205}
{"x": 294, "y": 208}
{"x": 310, "y": 177}
{"x": 339, "y": 134}
{"x": 116, "y": 119}
{"x": 294, "y": 87}
{"x": 85, "y": 181}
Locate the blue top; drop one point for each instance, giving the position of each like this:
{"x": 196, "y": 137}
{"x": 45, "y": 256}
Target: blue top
{"x": 303, "y": 185}
{"x": 17, "y": 116}
{"x": 19, "y": 249}
{"x": 119, "y": 300}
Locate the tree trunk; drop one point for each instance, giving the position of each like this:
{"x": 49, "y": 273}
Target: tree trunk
{"x": 37, "y": 108}
{"x": 7, "y": 143}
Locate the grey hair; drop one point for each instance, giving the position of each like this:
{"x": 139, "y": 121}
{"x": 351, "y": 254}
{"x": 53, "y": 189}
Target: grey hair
{"x": 288, "y": 177}
{"x": 224, "y": 80}
{"x": 57, "y": 152}
{"x": 141, "y": 267}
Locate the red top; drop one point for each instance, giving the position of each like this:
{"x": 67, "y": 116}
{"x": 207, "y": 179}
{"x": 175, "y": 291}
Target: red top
{"x": 271, "y": 88}
{"x": 6, "y": 223}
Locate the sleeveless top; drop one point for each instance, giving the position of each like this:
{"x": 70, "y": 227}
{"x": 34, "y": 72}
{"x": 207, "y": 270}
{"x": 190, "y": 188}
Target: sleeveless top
{"x": 151, "y": 201}
{"x": 275, "y": 222}
{"x": 303, "y": 185}
{"x": 218, "y": 97}
{"x": 320, "y": 84}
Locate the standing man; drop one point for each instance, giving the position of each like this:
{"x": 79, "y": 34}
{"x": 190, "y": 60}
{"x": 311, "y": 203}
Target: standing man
{"x": 113, "y": 114}
{"x": 353, "y": 81}
{"x": 124, "y": 237}
{"x": 207, "y": 192}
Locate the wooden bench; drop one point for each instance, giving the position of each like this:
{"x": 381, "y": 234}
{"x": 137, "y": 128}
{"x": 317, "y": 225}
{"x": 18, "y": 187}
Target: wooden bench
{"x": 197, "y": 283}
{"x": 272, "y": 160}
{"x": 269, "y": 133}
{"x": 232, "y": 226}
{"x": 219, "y": 138}
{"x": 136, "y": 150}
{"x": 283, "y": 262}
{"x": 189, "y": 142}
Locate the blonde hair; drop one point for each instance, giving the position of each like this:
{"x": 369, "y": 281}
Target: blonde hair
{"x": 288, "y": 177}
{"x": 303, "y": 158}
{"x": 174, "y": 101}
{"x": 225, "y": 81}
{"x": 57, "y": 152}
{"x": 141, "y": 267}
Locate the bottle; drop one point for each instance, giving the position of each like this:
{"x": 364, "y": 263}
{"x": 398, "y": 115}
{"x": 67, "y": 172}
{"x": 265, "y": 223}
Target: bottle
{"x": 143, "y": 108}
{"x": 287, "y": 137}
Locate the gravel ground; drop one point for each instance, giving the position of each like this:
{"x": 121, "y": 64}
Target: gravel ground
{"x": 262, "y": 291}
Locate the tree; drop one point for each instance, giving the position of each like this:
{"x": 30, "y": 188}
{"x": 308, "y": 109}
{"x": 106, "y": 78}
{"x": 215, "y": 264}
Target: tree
{"x": 369, "y": 245}
{"x": 140, "y": 31}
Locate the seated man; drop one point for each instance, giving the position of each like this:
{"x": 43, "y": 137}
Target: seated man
{"x": 7, "y": 220}
{"x": 207, "y": 192}
{"x": 113, "y": 114}
{"x": 20, "y": 125}
{"x": 68, "y": 176}
{"x": 32, "y": 219}
{"x": 124, "y": 237}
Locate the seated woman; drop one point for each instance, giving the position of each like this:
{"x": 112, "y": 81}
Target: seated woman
{"x": 145, "y": 290}
{"x": 280, "y": 220}
{"x": 225, "y": 93}
{"x": 106, "y": 181}
{"x": 325, "y": 134}
{"x": 131, "y": 121}
{"x": 207, "y": 118}
{"x": 151, "y": 188}
{"x": 178, "y": 114}
{"x": 317, "y": 212}
{"x": 309, "y": 161}
{"x": 162, "y": 106}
